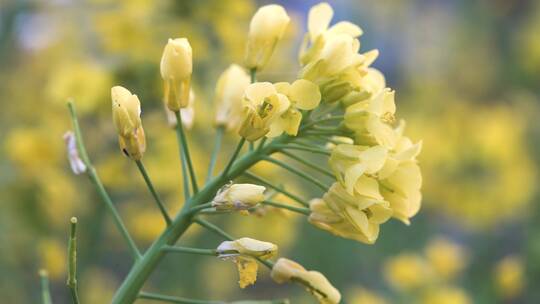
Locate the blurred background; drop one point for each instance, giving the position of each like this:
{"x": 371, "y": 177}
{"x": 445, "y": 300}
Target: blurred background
{"x": 467, "y": 81}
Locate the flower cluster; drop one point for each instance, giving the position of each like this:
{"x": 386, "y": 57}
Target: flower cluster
{"x": 377, "y": 175}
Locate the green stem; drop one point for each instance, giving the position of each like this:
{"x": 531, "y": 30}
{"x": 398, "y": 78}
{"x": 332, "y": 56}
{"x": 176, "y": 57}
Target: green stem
{"x": 161, "y": 207}
{"x": 217, "y": 145}
{"x": 183, "y": 142}
{"x": 234, "y": 156}
{"x": 200, "y": 251}
{"x": 308, "y": 164}
{"x": 297, "y": 172}
{"x": 45, "y": 289}
{"x": 278, "y": 189}
{"x": 171, "y": 299}
{"x": 261, "y": 144}
{"x": 185, "y": 178}
{"x": 300, "y": 148}
{"x": 72, "y": 261}
{"x": 304, "y": 211}
{"x": 100, "y": 188}
{"x": 253, "y": 75}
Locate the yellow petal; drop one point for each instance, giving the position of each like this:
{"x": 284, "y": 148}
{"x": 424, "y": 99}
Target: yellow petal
{"x": 305, "y": 94}
{"x": 247, "y": 271}
{"x": 257, "y": 92}
{"x": 283, "y": 87}
{"x": 319, "y": 18}
{"x": 345, "y": 27}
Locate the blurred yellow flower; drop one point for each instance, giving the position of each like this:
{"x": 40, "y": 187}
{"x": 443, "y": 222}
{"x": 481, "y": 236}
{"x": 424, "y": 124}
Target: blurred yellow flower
{"x": 53, "y": 258}
{"x": 446, "y": 295}
{"x": 406, "y": 271}
{"x": 228, "y": 100}
{"x": 365, "y": 296}
{"x": 510, "y": 276}
{"x": 445, "y": 257}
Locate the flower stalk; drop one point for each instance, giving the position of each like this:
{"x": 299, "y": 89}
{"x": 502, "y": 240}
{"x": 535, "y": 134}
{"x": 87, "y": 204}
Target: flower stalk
{"x": 185, "y": 149}
{"x": 72, "y": 261}
{"x": 153, "y": 191}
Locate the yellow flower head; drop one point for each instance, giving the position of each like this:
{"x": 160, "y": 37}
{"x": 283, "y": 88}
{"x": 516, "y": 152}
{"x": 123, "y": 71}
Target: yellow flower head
{"x": 445, "y": 257}
{"x": 238, "y": 197}
{"x": 356, "y": 216}
{"x": 126, "y": 109}
{"x": 265, "y": 30}
{"x": 370, "y": 120}
{"x": 176, "y": 68}
{"x": 229, "y": 92}
{"x": 263, "y": 105}
{"x": 510, "y": 276}
{"x": 303, "y": 95}
{"x": 350, "y": 162}
{"x": 446, "y": 295}
{"x": 285, "y": 270}
{"x": 247, "y": 247}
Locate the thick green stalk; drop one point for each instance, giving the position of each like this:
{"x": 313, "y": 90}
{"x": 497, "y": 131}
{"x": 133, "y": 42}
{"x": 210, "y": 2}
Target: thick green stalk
{"x": 184, "y": 145}
{"x": 99, "y": 185}
{"x": 150, "y": 186}
{"x": 217, "y": 146}
{"x": 313, "y": 150}
{"x": 72, "y": 261}
{"x": 45, "y": 291}
{"x": 297, "y": 172}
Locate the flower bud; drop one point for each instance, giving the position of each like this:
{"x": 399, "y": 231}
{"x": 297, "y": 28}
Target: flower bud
{"x": 238, "y": 197}
{"x": 247, "y": 247}
{"x": 187, "y": 114}
{"x": 176, "y": 68}
{"x": 229, "y": 92}
{"x": 265, "y": 30}
{"x": 126, "y": 109}
{"x": 285, "y": 270}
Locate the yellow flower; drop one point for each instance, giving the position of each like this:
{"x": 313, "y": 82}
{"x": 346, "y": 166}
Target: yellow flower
{"x": 126, "y": 109}
{"x": 53, "y": 257}
{"x": 510, "y": 276}
{"x": 370, "y": 120}
{"x": 263, "y": 105}
{"x": 238, "y": 197}
{"x": 285, "y": 270}
{"x": 229, "y": 92}
{"x": 406, "y": 271}
{"x": 242, "y": 252}
{"x": 350, "y": 162}
{"x": 365, "y": 296}
{"x": 356, "y": 216}
{"x": 247, "y": 247}
{"x": 401, "y": 179}
{"x": 372, "y": 83}
{"x": 319, "y": 18}
{"x": 445, "y": 257}
{"x": 303, "y": 95}
{"x": 176, "y": 68}
{"x": 265, "y": 30}
{"x": 446, "y": 295}
{"x": 77, "y": 165}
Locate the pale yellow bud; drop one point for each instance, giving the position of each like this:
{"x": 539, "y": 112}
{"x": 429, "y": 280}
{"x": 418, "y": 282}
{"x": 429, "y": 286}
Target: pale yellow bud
{"x": 229, "y": 92}
{"x": 285, "y": 270}
{"x": 265, "y": 30}
{"x": 238, "y": 197}
{"x": 126, "y": 109}
{"x": 248, "y": 247}
{"x": 187, "y": 114}
{"x": 176, "y": 68}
